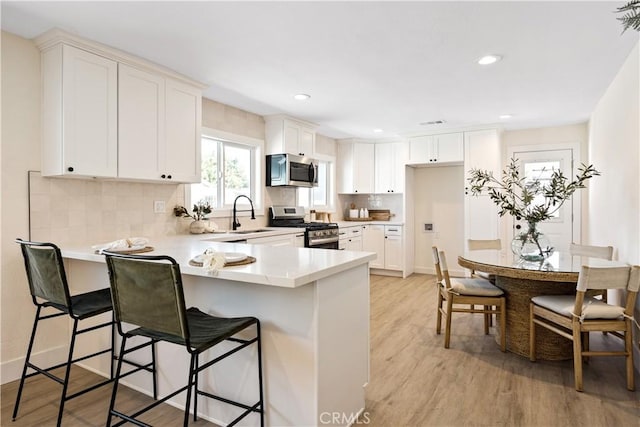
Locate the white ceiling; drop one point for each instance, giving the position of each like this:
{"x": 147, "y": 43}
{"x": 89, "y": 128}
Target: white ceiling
{"x": 366, "y": 65}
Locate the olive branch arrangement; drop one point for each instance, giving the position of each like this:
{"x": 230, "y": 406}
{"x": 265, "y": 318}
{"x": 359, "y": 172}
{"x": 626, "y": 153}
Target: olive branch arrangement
{"x": 631, "y": 17}
{"x": 515, "y": 196}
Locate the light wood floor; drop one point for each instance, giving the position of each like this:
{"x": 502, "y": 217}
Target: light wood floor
{"x": 414, "y": 380}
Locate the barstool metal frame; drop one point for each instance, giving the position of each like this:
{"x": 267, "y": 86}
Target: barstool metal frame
{"x": 45, "y": 296}
{"x": 184, "y": 340}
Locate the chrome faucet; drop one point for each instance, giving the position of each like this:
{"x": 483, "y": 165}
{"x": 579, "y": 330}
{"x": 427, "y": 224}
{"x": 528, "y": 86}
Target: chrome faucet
{"x": 236, "y": 223}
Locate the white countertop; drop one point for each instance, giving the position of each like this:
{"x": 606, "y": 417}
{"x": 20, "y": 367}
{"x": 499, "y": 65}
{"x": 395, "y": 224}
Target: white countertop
{"x": 285, "y": 267}
{"x": 342, "y": 224}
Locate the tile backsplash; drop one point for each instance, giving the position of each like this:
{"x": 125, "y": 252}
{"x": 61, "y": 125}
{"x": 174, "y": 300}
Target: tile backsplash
{"x": 78, "y": 211}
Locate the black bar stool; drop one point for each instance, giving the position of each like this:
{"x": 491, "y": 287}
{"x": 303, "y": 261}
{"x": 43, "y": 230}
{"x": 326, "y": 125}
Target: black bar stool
{"x": 49, "y": 289}
{"x": 148, "y": 297}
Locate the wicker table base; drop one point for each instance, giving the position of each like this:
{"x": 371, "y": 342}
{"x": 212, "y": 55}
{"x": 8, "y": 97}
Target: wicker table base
{"x": 518, "y": 292}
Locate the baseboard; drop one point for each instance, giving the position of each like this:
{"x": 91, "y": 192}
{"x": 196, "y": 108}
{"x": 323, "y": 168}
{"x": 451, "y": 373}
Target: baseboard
{"x": 381, "y": 272}
{"x": 12, "y": 370}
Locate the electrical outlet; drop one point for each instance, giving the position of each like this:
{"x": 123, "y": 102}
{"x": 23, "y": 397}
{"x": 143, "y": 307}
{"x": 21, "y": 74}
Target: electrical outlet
{"x": 428, "y": 227}
{"x": 158, "y": 206}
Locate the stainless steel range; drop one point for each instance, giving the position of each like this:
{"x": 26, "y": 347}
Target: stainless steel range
{"x": 319, "y": 235}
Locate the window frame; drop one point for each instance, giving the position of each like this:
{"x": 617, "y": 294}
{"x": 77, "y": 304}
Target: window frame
{"x": 257, "y": 170}
{"x": 330, "y": 189}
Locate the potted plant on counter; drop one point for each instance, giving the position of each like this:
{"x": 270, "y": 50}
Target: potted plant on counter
{"x": 199, "y": 212}
{"x": 529, "y": 200}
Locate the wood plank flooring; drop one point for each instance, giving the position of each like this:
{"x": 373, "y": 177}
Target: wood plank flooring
{"x": 414, "y": 380}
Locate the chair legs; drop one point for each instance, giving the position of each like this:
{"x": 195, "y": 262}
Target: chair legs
{"x": 439, "y": 312}
{"x": 628, "y": 348}
{"x": 64, "y": 382}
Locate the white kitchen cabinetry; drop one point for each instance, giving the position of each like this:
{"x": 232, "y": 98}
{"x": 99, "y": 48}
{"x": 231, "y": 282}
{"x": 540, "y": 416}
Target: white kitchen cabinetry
{"x": 390, "y": 161}
{"x": 356, "y": 167}
{"x": 373, "y": 241}
{"x": 80, "y": 120}
{"x": 281, "y": 240}
{"x": 351, "y": 238}
{"x": 393, "y": 248}
{"x": 299, "y": 240}
{"x": 110, "y": 114}
{"x": 285, "y": 135}
{"x": 482, "y": 151}
{"x": 437, "y": 149}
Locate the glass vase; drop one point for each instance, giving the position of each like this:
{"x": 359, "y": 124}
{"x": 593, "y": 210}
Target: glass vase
{"x": 531, "y": 245}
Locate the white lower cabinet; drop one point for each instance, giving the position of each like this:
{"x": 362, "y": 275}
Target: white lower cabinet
{"x": 281, "y": 240}
{"x": 373, "y": 241}
{"x": 393, "y": 250}
{"x": 350, "y": 238}
{"x": 299, "y": 240}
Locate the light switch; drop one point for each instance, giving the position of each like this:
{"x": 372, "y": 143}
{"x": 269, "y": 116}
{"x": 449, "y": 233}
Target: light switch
{"x": 428, "y": 227}
{"x": 158, "y": 206}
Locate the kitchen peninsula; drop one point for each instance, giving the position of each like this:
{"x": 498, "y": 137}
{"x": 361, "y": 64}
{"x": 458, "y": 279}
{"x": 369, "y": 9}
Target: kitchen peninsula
{"x": 314, "y": 309}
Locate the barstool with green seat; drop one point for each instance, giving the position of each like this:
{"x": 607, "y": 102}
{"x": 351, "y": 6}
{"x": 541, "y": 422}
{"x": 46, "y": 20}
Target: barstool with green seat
{"x": 50, "y": 291}
{"x": 148, "y": 301}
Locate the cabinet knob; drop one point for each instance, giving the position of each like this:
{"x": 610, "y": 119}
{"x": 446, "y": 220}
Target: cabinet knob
{"x": 70, "y": 168}
{"x": 355, "y": 191}
{"x": 300, "y": 154}
{"x": 518, "y": 227}
{"x": 168, "y": 176}
{"x": 163, "y": 176}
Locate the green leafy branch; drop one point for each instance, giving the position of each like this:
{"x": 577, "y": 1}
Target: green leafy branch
{"x": 515, "y": 196}
{"x": 631, "y": 17}
{"x": 200, "y": 210}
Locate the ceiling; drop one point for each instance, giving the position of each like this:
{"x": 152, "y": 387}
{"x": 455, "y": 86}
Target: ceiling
{"x": 367, "y": 65}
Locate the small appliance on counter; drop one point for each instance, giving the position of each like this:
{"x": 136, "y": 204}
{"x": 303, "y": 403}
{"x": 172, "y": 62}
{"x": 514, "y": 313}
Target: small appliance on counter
{"x": 318, "y": 235}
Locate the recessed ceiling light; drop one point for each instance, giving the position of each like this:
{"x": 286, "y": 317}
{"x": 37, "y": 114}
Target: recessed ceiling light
{"x": 506, "y": 116}
{"x": 489, "y": 59}
{"x": 301, "y": 96}
{"x": 378, "y": 130}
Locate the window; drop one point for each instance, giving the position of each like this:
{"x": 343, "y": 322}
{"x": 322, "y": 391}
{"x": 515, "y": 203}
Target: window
{"x": 319, "y": 197}
{"x": 230, "y": 168}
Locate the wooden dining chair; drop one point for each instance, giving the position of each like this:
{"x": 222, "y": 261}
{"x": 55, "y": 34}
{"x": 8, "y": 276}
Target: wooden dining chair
{"x": 484, "y": 245}
{"x": 604, "y": 252}
{"x": 572, "y": 316}
{"x": 463, "y": 295}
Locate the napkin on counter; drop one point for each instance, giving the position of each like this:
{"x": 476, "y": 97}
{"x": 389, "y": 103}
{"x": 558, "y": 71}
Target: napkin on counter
{"x": 122, "y": 244}
{"x": 213, "y": 261}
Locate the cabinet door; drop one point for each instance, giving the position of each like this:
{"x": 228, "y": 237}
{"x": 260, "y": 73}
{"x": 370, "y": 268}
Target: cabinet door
{"x": 140, "y": 123}
{"x": 420, "y": 149}
{"x": 291, "y": 135}
{"x": 373, "y": 241}
{"x": 183, "y": 118}
{"x": 482, "y": 150}
{"x": 344, "y": 170}
{"x": 400, "y": 152}
{"x": 89, "y": 114}
{"x": 449, "y": 147}
{"x": 363, "y": 168}
{"x": 354, "y": 244}
{"x": 285, "y": 240}
{"x": 306, "y": 143}
{"x": 384, "y": 168}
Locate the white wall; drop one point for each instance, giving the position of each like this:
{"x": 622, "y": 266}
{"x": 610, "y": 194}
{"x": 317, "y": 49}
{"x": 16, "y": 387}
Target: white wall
{"x": 20, "y": 153}
{"x": 614, "y": 147}
{"x": 438, "y": 198}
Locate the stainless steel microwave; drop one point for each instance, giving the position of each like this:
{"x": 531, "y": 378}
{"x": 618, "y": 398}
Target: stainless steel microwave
{"x": 289, "y": 170}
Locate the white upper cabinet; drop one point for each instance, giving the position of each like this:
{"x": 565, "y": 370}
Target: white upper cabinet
{"x": 437, "y": 149}
{"x": 183, "y": 106}
{"x": 109, "y": 114}
{"x": 80, "y": 120}
{"x": 390, "y": 161}
{"x": 141, "y": 127}
{"x": 158, "y": 128}
{"x": 286, "y": 135}
{"x": 356, "y": 167}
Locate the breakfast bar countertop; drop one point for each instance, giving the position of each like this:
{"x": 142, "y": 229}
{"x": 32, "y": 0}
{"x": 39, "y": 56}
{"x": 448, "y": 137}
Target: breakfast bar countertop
{"x": 288, "y": 267}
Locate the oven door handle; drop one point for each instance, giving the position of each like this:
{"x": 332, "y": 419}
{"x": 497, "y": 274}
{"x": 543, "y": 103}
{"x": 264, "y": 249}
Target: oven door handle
{"x": 315, "y": 242}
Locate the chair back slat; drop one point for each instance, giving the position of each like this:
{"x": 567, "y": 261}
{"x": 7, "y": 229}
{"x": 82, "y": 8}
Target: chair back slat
{"x": 147, "y": 292}
{"x": 603, "y": 278}
{"x": 604, "y": 252}
{"x": 45, "y": 272}
{"x": 479, "y": 245}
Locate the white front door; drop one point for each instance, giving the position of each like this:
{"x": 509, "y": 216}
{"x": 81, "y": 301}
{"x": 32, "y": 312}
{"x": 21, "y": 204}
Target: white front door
{"x": 540, "y": 165}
